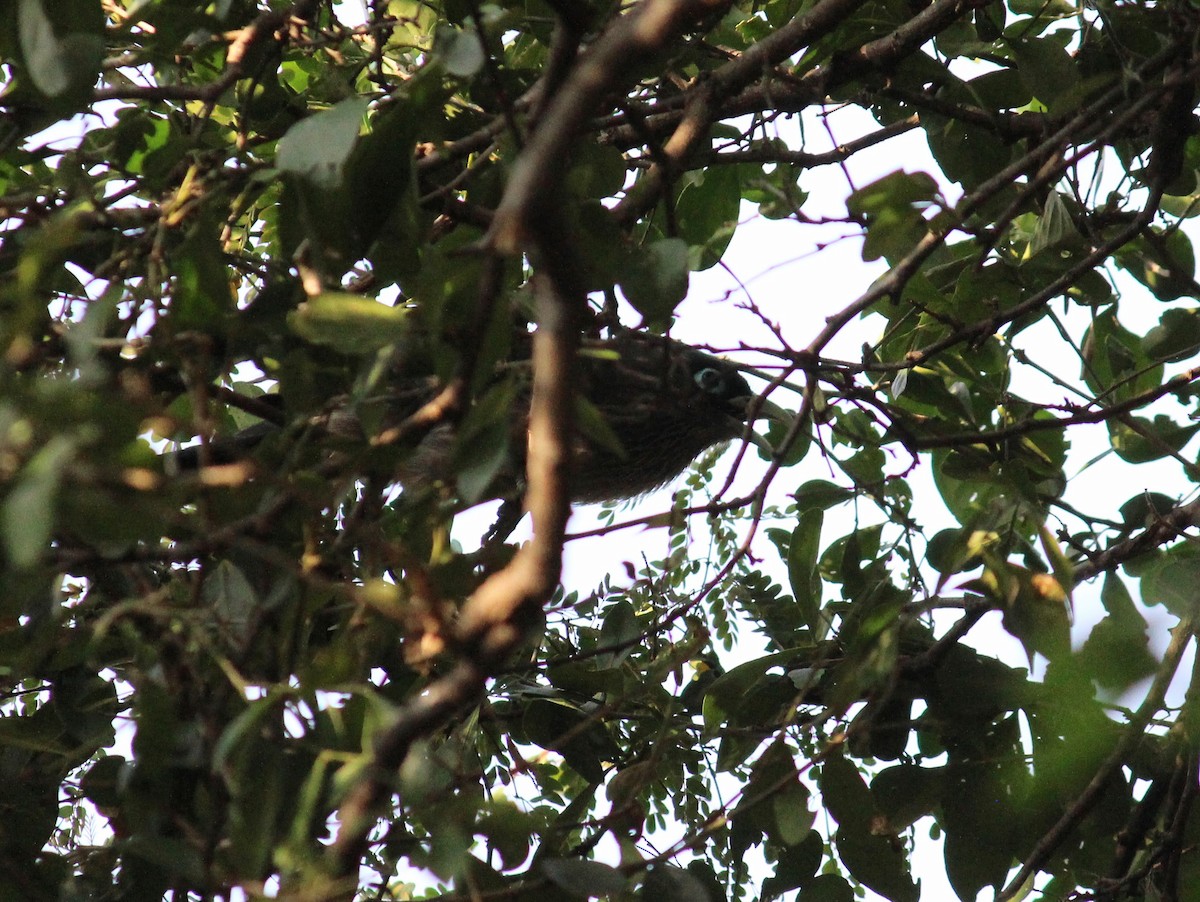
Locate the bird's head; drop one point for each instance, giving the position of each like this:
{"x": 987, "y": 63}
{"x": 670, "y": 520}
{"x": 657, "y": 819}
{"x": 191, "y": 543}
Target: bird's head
{"x": 664, "y": 403}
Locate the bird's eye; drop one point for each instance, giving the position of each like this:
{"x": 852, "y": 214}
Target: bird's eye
{"x": 710, "y": 380}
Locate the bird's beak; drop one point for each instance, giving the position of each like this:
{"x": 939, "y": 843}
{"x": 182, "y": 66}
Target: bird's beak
{"x": 757, "y": 408}
{"x": 762, "y": 409}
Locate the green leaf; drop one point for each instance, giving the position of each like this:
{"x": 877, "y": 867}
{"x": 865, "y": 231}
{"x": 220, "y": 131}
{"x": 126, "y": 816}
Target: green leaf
{"x": 584, "y": 879}
{"x": 29, "y": 510}
{"x": 619, "y": 633}
{"x": 508, "y": 830}
{"x": 1048, "y": 70}
{"x": 43, "y": 53}
{"x": 967, "y": 154}
{"x": 978, "y": 824}
{"x": 1055, "y": 226}
{"x": 582, "y": 740}
{"x": 669, "y": 883}
{"x": 1172, "y": 581}
{"x": 656, "y": 278}
{"x": 881, "y": 730}
{"x": 459, "y": 52}
{"x": 349, "y": 322}
{"x": 1165, "y": 263}
{"x": 792, "y": 817}
{"x": 906, "y": 793}
{"x": 802, "y": 555}
{"x": 202, "y": 294}
{"x": 1145, "y": 508}
{"x": 245, "y": 726}
{"x": 707, "y": 212}
{"x": 1091, "y": 289}
{"x": 795, "y": 866}
{"x": 380, "y": 186}
{"x": 777, "y": 192}
{"x": 65, "y": 67}
{"x": 1138, "y": 440}
{"x": 949, "y": 552}
{"x": 827, "y": 888}
{"x": 776, "y": 799}
{"x": 233, "y": 600}
{"x": 597, "y": 171}
{"x": 1176, "y": 337}
{"x": 845, "y": 792}
{"x": 1117, "y": 653}
{"x": 1115, "y": 362}
{"x": 876, "y": 862}
{"x": 892, "y": 209}
{"x": 33, "y": 733}
{"x": 316, "y": 149}
{"x": 777, "y": 432}
{"x": 608, "y": 253}
{"x": 820, "y": 494}
{"x": 727, "y": 694}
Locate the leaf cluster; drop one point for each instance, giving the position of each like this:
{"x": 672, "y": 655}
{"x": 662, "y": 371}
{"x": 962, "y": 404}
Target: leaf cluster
{"x": 278, "y": 675}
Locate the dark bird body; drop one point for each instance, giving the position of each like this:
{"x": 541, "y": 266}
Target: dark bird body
{"x": 666, "y": 403}
{"x": 660, "y": 404}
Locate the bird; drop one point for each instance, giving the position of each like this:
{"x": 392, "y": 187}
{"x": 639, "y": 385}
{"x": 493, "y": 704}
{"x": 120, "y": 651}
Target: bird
{"x": 666, "y": 403}
{"x": 660, "y": 403}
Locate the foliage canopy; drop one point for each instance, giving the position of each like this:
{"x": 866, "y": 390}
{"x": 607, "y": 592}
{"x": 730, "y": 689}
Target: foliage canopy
{"x": 286, "y": 678}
